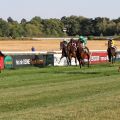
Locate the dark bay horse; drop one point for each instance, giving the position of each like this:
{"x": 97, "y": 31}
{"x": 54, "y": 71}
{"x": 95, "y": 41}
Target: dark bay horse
{"x": 82, "y": 53}
{"x": 111, "y": 52}
{"x": 63, "y": 47}
{"x": 71, "y": 50}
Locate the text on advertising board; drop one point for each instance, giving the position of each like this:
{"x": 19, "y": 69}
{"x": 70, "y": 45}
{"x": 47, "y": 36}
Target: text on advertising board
{"x": 22, "y": 61}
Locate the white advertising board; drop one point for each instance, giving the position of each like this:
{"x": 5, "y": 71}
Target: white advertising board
{"x": 63, "y": 61}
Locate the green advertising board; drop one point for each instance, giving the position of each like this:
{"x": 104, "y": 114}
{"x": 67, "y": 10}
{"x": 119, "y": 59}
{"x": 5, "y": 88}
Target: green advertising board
{"x": 49, "y": 60}
{"x": 8, "y": 61}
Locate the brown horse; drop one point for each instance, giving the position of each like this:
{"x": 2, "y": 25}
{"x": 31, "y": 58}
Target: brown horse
{"x": 71, "y": 51}
{"x": 63, "y": 47}
{"x": 111, "y": 52}
{"x": 82, "y": 53}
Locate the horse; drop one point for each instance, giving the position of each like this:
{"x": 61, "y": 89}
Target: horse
{"x": 71, "y": 50}
{"x": 111, "y": 51}
{"x": 82, "y": 53}
{"x": 63, "y": 47}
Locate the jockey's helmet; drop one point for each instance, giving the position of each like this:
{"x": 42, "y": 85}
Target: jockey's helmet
{"x": 81, "y": 38}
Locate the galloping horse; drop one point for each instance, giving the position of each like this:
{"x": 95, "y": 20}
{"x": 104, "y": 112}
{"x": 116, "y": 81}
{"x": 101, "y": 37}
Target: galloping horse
{"x": 82, "y": 53}
{"x": 63, "y": 47}
{"x": 71, "y": 50}
{"x": 111, "y": 52}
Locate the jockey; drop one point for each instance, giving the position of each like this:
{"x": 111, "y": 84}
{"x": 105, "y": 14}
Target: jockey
{"x": 111, "y": 43}
{"x": 83, "y": 40}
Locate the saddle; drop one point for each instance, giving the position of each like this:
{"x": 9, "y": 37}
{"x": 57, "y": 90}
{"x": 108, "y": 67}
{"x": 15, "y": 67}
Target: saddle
{"x": 112, "y": 47}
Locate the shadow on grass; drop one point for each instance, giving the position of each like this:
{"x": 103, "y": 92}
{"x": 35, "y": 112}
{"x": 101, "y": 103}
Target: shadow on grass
{"x": 83, "y": 72}
{"x": 76, "y": 72}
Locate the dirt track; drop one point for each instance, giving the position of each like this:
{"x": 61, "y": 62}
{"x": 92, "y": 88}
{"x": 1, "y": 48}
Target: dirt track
{"x": 47, "y": 45}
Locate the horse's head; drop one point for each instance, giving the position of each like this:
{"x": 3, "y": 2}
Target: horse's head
{"x": 61, "y": 45}
{"x": 71, "y": 40}
{"x": 79, "y": 44}
{"x": 110, "y": 43}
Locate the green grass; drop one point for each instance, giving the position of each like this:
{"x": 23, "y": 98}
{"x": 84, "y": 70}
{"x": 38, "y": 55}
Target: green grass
{"x": 60, "y": 93}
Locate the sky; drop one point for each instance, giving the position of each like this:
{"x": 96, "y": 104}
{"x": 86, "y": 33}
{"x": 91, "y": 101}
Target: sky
{"x": 19, "y": 9}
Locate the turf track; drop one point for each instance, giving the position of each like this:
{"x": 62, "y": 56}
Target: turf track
{"x": 60, "y": 93}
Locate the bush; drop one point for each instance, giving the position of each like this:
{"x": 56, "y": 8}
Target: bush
{"x": 91, "y": 37}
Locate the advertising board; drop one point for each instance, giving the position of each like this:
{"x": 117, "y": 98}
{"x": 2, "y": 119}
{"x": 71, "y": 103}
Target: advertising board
{"x": 1, "y": 62}
{"x": 21, "y": 60}
{"x": 27, "y": 60}
{"x": 49, "y": 59}
{"x": 8, "y": 61}
{"x": 95, "y": 58}
{"x": 63, "y": 61}
{"x": 98, "y": 57}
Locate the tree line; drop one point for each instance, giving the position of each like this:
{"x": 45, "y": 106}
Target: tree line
{"x": 66, "y": 26}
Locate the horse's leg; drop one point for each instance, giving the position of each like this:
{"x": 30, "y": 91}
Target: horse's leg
{"x": 109, "y": 54}
{"x": 115, "y": 57}
{"x": 82, "y": 59}
{"x": 70, "y": 61}
{"x": 70, "y": 58}
{"x": 80, "y": 63}
{"x": 88, "y": 60}
{"x": 76, "y": 61}
{"x": 109, "y": 57}
{"x": 112, "y": 57}
{"x": 67, "y": 60}
{"x": 60, "y": 60}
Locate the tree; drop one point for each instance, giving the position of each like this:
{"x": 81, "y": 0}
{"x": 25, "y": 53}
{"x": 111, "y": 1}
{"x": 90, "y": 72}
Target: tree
{"x": 31, "y": 30}
{"x": 10, "y": 20}
{"x": 71, "y": 24}
{"x": 75, "y": 25}
{"x": 52, "y": 27}
{"x": 111, "y": 28}
{"x": 118, "y": 28}
{"x": 86, "y": 27}
{"x": 23, "y": 21}
{"x": 37, "y": 22}
{"x": 100, "y": 25}
{"x": 16, "y": 30}
{"x": 4, "y": 28}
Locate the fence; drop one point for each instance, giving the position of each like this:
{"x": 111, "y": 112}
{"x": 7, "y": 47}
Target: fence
{"x": 23, "y": 59}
